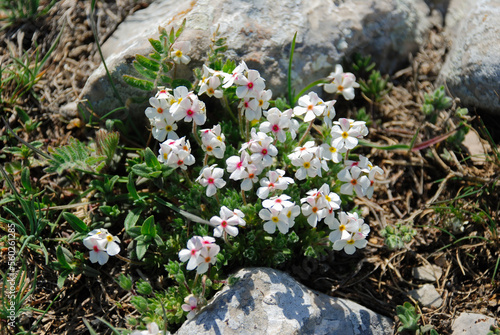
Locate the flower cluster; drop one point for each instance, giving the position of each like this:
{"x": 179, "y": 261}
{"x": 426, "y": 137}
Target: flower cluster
{"x": 348, "y": 232}
{"x": 176, "y": 153}
{"x": 200, "y": 253}
{"x": 167, "y": 109}
{"x": 101, "y": 245}
{"x": 257, "y": 160}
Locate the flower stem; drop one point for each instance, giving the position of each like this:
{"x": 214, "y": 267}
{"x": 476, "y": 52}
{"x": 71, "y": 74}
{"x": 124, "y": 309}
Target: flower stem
{"x": 195, "y": 134}
{"x": 305, "y": 134}
{"x": 243, "y": 197}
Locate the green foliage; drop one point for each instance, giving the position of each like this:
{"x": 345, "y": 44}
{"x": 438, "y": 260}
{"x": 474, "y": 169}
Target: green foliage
{"x": 20, "y": 74}
{"x": 376, "y": 87}
{"x": 362, "y": 65}
{"x": 75, "y": 156}
{"x": 17, "y": 288}
{"x": 154, "y": 69}
{"x": 68, "y": 264}
{"x": 396, "y": 237}
{"x": 409, "y": 317}
{"x": 435, "y": 102}
{"x": 18, "y": 11}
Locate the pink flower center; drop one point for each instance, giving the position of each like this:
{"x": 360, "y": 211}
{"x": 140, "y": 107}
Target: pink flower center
{"x": 96, "y": 248}
{"x": 264, "y": 151}
{"x": 180, "y": 162}
{"x": 159, "y": 110}
{"x": 250, "y": 85}
{"x": 276, "y": 128}
{"x": 210, "y": 180}
{"x": 193, "y": 252}
{"x": 223, "y": 224}
{"x": 189, "y": 112}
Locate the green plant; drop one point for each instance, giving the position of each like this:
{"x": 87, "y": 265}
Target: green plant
{"x": 435, "y": 102}
{"x": 17, "y": 11}
{"x": 21, "y": 73}
{"x": 397, "y": 236}
{"x": 29, "y": 210}
{"x": 375, "y": 88}
{"x": 409, "y": 317}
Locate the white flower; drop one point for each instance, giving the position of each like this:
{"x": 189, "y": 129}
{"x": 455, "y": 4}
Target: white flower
{"x": 191, "y": 109}
{"x": 179, "y": 50}
{"x": 275, "y": 218}
{"x": 153, "y": 329}
{"x": 211, "y": 87}
{"x": 191, "y": 305}
{"x": 226, "y": 222}
{"x": 277, "y": 123}
{"x": 314, "y": 208}
{"x": 344, "y": 136}
{"x": 97, "y": 248}
{"x": 211, "y": 178}
{"x": 164, "y": 128}
{"x": 159, "y": 108}
{"x": 235, "y": 75}
{"x": 353, "y": 181}
{"x": 311, "y": 105}
{"x": 208, "y": 255}
{"x": 308, "y": 164}
{"x": 291, "y": 213}
{"x": 190, "y": 255}
{"x": 276, "y": 181}
{"x": 342, "y": 83}
{"x": 249, "y": 85}
{"x": 236, "y": 165}
{"x": 339, "y": 227}
{"x": 277, "y": 202}
{"x": 350, "y": 244}
{"x": 102, "y": 245}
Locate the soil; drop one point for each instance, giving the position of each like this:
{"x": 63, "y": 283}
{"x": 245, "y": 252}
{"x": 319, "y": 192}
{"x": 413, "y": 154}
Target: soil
{"x": 423, "y": 188}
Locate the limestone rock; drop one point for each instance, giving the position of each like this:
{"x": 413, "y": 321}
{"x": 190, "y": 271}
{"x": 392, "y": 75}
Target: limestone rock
{"x": 427, "y": 296}
{"x": 472, "y": 68}
{"x": 427, "y": 272}
{"x": 260, "y": 32}
{"x": 267, "y": 301}
{"x": 472, "y": 324}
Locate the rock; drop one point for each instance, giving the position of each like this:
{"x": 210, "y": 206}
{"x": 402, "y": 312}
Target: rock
{"x": 427, "y": 296}
{"x": 260, "y": 32}
{"x": 472, "y": 68}
{"x": 267, "y": 301}
{"x": 427, "y": 272}
{"x": 476, "y": 147}
{"x": 456, "y": 11}
{"x": 472, "y": 324}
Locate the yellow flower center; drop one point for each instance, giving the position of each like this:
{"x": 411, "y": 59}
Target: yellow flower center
{"x": 275, "y": 219}
{"x": 307, "y": 165}
{"x": 345, "y": 134}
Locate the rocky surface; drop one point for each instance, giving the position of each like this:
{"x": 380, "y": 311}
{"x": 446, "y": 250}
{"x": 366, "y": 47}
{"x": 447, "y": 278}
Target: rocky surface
{"x": 472, "y": 68}
{"x": 472, "y": 324}
{"x": 267, "y": 301}
{"x": 261, "y": 33}
{"x": 427, "y": 296}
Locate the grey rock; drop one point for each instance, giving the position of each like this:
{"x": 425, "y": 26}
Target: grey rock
{"x": 472, "y": 324}
{"x": 427, "y": 272}
{"x": 260, "y": 32}
{"x": 267, "y": 301}
{"x": 427, "y": 296}
{"x": 456, "y": 11}
{"x": 472, "y": 68}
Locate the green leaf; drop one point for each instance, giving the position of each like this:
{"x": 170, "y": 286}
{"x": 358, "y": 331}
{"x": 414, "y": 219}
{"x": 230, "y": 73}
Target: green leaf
{"x": 25, "y": 179}
{"x": 71, "y": 156}
{"x": 144, "y": 171}
{"x": 151, "y": 159}
{"x": 76, "y": 223}
{"x": 62, "y": 277}
{"x": 181, "y": 82}
{"x": 147, "y": 63}
{"x": 142, "y": 246}
{"x": 141, "y": 84}
{"x": 156, "y": 45}
{"x": 131, "y": 188}
{"x": 145, "y": 72}
{"x": 132, "y": 218}
{"x": 149, "y": 227}
{"x": 61, "y": 257}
